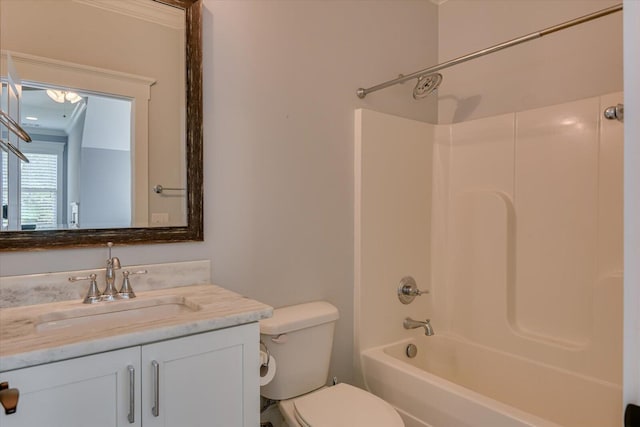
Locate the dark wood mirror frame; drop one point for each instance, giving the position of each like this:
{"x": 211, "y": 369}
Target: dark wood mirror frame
{"x": 52, "y": 239}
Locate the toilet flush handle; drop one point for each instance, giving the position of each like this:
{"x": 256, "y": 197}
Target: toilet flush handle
{"x": 280, "y": 339}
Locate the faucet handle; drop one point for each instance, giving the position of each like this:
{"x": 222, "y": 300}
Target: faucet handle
{"x": 93, "y": 295}
{"x": 115, "y": 263}
{"x": 408, "y": 290}
{"x": 126, "y": 291}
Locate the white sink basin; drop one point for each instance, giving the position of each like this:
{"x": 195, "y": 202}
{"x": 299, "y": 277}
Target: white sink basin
{"x": 109, "y": 315}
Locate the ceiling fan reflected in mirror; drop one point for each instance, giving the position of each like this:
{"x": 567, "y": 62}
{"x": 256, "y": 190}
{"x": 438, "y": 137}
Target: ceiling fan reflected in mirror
{"x": 60, "y": 96}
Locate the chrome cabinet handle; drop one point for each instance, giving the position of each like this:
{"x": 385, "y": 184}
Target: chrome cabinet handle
{"x": 155, "y": 410}
{"x": 132, "y": 396}
{"x": 9, "y": 398}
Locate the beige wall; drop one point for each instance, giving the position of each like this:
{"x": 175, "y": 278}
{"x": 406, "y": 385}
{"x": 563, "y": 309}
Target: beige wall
{"x": 573, "y": 64}
{"x": 281, "y": 140}
{"x": 279, "y": 96}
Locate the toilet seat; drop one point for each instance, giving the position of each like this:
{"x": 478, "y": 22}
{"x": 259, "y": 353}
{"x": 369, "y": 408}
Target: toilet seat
{"x": 344, "y": 406}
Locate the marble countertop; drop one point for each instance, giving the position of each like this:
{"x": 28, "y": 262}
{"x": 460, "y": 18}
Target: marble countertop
{"x": 29, "y": 334}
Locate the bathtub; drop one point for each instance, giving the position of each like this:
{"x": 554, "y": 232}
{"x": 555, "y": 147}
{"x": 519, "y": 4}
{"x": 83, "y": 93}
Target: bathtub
{"x": 455, "y": 383}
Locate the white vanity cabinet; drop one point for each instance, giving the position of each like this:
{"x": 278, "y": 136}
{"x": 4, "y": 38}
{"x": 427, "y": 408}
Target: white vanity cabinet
{"x": 203, "y": 380}
{"x": 208, "y": 379}
{"x": 87, "y": 391}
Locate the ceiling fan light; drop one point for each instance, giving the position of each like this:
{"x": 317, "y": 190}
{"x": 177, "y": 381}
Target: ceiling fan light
{"x": 72, "y": 97}
{"x": 56, "y": 95}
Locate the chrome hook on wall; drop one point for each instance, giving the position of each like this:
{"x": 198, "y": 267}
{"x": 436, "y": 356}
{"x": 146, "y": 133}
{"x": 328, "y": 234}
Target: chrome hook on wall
{"x": 159, "y": 189}
{"x": 615, "y": 113}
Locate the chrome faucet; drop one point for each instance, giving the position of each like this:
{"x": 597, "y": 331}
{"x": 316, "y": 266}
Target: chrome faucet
{"x": 409, "y": 323}
{"x": 113, "y": 263}
{"x": 110, "y": 293}
{"x": 93, "y": 294}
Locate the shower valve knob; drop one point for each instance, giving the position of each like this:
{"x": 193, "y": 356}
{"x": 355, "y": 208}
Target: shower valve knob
{"x": 411, "y": 291}
{"x": 408, "y": 290}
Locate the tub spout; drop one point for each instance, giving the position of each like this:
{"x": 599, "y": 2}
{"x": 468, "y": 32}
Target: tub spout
{"x": 409, "y": 323}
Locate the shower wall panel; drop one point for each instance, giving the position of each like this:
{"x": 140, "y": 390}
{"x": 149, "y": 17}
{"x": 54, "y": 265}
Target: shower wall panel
{"x": 481, "y": 176}
{"x": 393, "y": 158}
{"x": 534, "y": 235}
{"x": 556, "y": 203}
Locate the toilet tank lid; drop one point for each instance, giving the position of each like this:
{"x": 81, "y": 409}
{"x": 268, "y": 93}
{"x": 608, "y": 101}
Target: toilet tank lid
{"x": 300, "y": 316}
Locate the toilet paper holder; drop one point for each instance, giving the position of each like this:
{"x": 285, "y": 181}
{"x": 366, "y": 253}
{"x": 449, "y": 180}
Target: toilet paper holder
{"x": 266, "y": 350}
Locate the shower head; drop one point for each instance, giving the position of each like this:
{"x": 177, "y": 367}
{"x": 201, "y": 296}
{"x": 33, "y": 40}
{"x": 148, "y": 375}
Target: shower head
{"x": 426, "y": 84}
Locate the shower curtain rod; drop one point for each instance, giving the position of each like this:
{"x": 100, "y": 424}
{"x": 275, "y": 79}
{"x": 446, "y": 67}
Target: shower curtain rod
{"x": 362, "y": 92}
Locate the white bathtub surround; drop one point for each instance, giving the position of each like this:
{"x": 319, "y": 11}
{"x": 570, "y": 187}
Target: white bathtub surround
{"x": 534, "y": 223}
{"x": 43, "y": 288}
{"x": 392, "y": 227}
{"x": 525, "y": 267}
{"x": 443, "y": 385}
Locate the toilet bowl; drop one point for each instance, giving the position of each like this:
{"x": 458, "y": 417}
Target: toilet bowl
{"x": 300, "y": 339}
{"x": 341, "y": 405}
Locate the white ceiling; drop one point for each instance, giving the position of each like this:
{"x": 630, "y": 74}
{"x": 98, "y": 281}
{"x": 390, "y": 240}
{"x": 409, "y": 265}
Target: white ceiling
{"x": 50, "y": 114}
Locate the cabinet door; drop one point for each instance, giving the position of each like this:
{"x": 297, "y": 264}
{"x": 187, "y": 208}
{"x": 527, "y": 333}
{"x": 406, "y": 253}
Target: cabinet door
{"x": 87, "y": 391}
{"x": 208, "y": 379}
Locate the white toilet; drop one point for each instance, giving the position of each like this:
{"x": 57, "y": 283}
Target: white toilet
{"x": 300, "y": 338}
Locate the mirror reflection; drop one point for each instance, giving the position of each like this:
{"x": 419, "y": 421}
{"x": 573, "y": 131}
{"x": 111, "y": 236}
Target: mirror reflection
{"x": 99, "y": 86}
{"x": 72, "y": 150}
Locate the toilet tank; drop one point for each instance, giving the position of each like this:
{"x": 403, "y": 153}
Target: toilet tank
{"x": 300, "y": 338}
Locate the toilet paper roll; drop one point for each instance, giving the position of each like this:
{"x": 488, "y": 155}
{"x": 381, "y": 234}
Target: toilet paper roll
{"x": 267, "y": 368}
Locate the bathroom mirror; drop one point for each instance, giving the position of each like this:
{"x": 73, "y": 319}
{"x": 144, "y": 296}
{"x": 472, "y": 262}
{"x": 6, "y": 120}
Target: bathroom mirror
{"x": 136, "y": 174}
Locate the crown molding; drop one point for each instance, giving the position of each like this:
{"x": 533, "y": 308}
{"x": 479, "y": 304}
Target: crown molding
{"x": 146, "y": 10}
